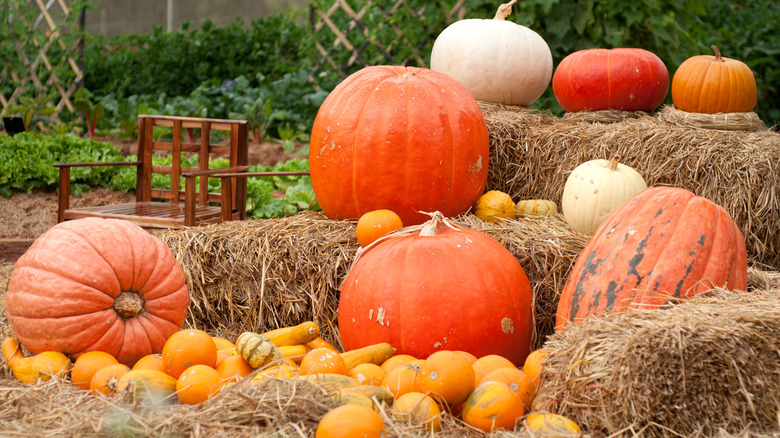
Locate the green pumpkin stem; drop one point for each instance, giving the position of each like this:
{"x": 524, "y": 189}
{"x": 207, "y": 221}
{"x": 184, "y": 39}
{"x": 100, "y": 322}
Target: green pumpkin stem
{"x": 504, "y": 10}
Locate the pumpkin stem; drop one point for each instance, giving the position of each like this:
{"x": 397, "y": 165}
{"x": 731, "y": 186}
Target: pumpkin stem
{"x": 717, "y": 53}
{"x": 128, "y": 304}
{"x": 504, "y": 10}
{"x": 613, "y": 163}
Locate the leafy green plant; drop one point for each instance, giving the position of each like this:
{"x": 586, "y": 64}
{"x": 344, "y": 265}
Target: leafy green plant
{"x": 26, "y": 161}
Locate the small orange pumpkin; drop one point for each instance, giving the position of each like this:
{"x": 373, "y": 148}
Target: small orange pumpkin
{"x": 419, "y": 408}
{"x": 105, "y": 381}
{"x": 197, "y": 384}
{"x": 351, "y": 421}
{"x": 186, "y": 348}
{"x": 488, "y": 363}
{"x": 150, "y": 362}
{"x": 86, "y": 365}
{"x": 375, "y": 224}
{"x": 493, "y": 406}
{"x": 323, "y": 360}
{"x": 714, "y": 84}
{"x": 448, "y": 375}
{"x": 516, "y": 380}
{"x": 233, "y": 368}
{"x": 494, "y": 205}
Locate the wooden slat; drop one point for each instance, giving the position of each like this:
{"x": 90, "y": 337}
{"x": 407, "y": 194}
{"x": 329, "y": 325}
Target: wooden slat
{"x": 176, "y": 160}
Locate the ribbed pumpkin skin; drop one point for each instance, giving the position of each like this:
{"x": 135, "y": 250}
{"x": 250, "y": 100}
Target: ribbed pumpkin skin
{"x": 398, "y": 138}
{"x": 621, "y": 79}
{"x": 662, "y": 244}
{"x": 62, "y": 291}
{"x": 458, "y": 290}
{"x": 496, "y": 60}
{"x": 712, "y": 84}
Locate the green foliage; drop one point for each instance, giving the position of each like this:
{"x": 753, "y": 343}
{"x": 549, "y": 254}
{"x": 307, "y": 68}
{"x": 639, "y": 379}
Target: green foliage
{"x": 26, "y": 161}
{"x": 176, "y": 63}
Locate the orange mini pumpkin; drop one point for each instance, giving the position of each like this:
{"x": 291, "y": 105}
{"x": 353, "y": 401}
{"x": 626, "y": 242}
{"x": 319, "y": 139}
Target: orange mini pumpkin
{"x": 375, "y": 224}
{"x": 186, "y": 348}
{"x": 86, "y": 365}
{"x": 713, "y": 84}
{"x": 97, "y": 284}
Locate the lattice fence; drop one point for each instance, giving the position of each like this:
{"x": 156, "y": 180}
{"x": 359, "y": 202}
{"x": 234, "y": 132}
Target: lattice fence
{"x": 351, "y": 34}
{"x": 38, "y": 57}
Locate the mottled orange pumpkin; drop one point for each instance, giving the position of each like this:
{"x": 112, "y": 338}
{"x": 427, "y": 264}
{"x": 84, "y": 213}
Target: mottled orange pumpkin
{"x": 405, "y": 139}
{"x": 663, "y": 244}
{"x": 97, "y": 284}
{"x": 714, "y": 84}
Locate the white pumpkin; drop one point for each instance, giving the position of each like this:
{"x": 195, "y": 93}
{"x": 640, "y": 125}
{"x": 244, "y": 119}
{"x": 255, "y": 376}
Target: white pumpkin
{"x": 496, "y": 60}
{"x": 594, "y": 189}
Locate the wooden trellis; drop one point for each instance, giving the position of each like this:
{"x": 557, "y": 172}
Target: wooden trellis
{"x": 357, "y": 36}
{"x": 40, "y": 70}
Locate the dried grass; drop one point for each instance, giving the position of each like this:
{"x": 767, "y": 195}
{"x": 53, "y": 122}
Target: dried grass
{"x": 702, "y": 368}
{"x": 532, "y": 154}
{"x": 276, "y": 408}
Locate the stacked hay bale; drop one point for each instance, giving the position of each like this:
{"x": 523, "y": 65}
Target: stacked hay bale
{"x": 532, "y": 155}
{"x": 700, "y": 368}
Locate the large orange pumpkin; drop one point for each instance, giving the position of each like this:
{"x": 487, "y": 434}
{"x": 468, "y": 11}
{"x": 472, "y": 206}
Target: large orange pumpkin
{"x": 441, "y": 288}
{"x": 97, "y": 284}
{"x": 404, "y": 139}
{"x": 714, "y": 84}
{"x": 662, "y": 244}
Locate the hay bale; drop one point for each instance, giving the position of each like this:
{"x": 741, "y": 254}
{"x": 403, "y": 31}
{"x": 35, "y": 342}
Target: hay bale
{"x": 260, "y": 275}
{"x": 263, "y": 274}
{"x": 700, "y": 368}
{"x": 532, "y": 154}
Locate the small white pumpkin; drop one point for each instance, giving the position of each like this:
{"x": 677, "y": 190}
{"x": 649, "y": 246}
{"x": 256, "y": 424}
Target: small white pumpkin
{"x": 496, "y": 60}
{"x": 594, "y": 189}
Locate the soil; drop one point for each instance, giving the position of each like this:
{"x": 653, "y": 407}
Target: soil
{"x": 25, "y": 216}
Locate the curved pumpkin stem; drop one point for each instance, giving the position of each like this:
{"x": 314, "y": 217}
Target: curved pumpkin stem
{"x": 613, "y": 163}
{"x": 715, "y": 49}
{"x": 504, "y": 10}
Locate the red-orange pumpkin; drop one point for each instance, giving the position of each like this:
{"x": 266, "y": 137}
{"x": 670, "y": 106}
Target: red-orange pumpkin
{"x": 625, "y": 79}
{"x": 404, "y": 139}
{"x": 97, "y": 284}
{"x": 662, "y": 244}
{"x": 438, "y": 289}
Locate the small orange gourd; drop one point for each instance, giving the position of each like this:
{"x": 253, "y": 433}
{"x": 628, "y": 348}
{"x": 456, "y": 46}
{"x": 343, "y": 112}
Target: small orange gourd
{"x": 494, "y": 205}
{"x": 197, "y": 384}
{"x": 493, "y": 406}
{"x": 86, "y": 365}
{"x": 448, "y": 375}
{"x": 376, "y": 223}
{"x": 419, "y": 409}
{"x": 186, "y": 348}
{"x": 351, "y": 421}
